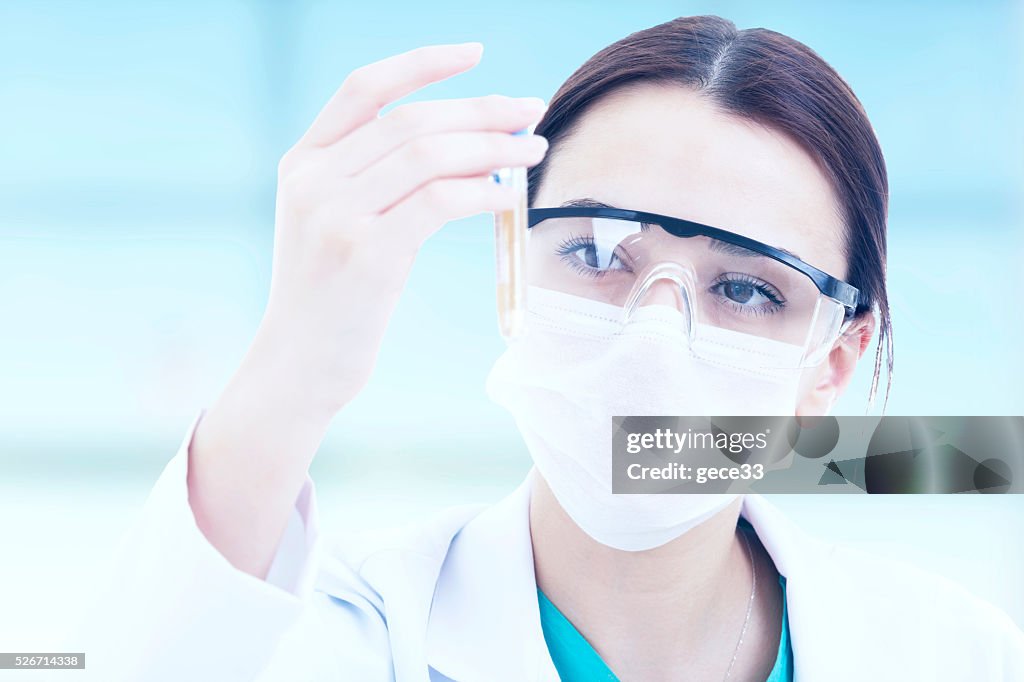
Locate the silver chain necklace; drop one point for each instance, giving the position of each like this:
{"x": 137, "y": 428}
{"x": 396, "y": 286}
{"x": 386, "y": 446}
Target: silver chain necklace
{"x": 750, "y": 603}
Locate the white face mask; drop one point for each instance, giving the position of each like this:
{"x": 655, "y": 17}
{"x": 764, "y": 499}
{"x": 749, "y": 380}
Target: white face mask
{"x": 576, "y": 367}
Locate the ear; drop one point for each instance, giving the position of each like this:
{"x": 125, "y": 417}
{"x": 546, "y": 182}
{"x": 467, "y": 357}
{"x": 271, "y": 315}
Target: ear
{"x": 827, "y": 382}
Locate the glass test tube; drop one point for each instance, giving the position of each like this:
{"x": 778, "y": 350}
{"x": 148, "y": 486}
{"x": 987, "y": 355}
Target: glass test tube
{"x": 510, "y": 234}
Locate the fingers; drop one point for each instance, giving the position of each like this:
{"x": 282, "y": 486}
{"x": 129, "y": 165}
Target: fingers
{"x": 379, "y": 137}
{"x": 371, "y": 87}
{"x": 414, "y": 219}
{"x": 428, "y": 157}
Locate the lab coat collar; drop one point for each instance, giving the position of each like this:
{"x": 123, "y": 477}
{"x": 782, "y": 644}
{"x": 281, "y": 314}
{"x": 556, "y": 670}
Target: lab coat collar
{"x": 484, "y": 621}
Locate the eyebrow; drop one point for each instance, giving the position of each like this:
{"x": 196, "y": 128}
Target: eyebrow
{"x": 737, "y": 250}
{"x": 716, "y": 245}
{"x": 585, "y": 202}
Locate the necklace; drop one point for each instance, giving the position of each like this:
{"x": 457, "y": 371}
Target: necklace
{"x": 750, "y": 604}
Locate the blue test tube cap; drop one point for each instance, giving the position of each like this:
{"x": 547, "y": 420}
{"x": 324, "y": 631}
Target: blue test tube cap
{"x": 494, "y": 175}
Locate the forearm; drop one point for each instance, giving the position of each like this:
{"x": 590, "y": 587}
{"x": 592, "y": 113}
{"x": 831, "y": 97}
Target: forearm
{"x": 249, "y": 459}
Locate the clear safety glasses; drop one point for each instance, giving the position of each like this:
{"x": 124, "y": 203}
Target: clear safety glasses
{"x": 723, "y": 283}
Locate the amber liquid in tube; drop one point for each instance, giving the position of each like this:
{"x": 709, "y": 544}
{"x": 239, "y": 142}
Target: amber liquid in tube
{"x": 510, "y": 232}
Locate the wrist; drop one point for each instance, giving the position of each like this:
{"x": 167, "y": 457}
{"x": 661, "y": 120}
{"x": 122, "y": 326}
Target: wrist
{"x": 267, "y": 388}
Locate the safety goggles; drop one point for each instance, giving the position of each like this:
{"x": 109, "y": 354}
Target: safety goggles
{"x": 723, "y": 283}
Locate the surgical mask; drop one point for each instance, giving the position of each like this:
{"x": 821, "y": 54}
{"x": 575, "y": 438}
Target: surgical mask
{"x": 578, "y": 365}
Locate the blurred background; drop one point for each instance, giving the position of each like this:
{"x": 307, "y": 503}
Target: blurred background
{"x": 138, "y": 157}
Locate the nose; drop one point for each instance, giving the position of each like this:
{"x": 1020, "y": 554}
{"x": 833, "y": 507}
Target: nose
{"x": 664, "y": 292}
{"x": 668, "y": 285}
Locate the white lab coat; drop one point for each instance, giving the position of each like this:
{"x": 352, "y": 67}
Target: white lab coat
{"x": 454, "y": 598}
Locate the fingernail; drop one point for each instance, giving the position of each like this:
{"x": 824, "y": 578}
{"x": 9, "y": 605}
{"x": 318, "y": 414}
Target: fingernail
{"x": 532, "y": 104}
{"x": 539, "y": 141}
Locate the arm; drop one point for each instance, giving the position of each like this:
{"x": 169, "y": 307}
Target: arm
{"x": 192, "y": 594}
{"x": 357, "y": 197}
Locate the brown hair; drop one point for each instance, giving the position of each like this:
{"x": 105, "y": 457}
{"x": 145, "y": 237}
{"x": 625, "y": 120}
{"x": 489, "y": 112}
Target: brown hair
{"x": 778, "y": 82}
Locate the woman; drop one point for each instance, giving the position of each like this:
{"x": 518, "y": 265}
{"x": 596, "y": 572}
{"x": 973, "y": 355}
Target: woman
{"x": 672, "y": 165}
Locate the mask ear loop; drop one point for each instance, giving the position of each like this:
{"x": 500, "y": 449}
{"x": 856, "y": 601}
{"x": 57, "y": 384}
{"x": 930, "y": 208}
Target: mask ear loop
{"x": 674, "y": 272}
{"x": 844, "y": 337}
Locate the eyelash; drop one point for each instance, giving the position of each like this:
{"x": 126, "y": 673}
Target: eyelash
{"x": 762, "y": 287}
{"x": 573, "y": 243}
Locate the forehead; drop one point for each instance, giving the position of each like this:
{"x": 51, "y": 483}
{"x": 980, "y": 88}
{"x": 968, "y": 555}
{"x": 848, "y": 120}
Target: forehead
{"x": 670, "y": 150}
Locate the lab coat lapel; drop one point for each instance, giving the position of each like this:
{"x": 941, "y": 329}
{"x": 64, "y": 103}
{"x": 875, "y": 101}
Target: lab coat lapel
{"x": 484, "y": 622}
{"x": 825, "y": 644}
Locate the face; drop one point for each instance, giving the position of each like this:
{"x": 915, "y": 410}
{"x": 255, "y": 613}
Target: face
{"x": 670, "y": 150}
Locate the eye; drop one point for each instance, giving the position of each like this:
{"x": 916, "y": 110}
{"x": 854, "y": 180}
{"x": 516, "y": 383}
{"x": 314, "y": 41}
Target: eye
{"x": 748, "y": 294}
{"x": 582, "y": 254}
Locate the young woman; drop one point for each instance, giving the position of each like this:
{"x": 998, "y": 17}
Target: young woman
{"x": 708, "y": 212}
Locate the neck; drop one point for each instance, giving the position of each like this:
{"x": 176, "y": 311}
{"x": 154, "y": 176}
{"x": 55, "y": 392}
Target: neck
{"x": 676, "y": 607}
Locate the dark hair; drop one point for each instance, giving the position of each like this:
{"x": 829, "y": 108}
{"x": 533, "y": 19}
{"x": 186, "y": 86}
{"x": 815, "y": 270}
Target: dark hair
{"x": 778, "y": 82}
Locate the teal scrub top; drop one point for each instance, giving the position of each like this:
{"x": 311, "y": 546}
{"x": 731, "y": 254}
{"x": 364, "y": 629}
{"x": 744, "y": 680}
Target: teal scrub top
{"x": 576, "y": 661}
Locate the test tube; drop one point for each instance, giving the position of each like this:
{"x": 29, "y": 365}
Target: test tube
{"x": 510, "y": 235}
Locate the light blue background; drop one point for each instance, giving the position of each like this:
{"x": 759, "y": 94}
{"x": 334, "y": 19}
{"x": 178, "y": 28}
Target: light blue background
{"x": 137, "y": 166}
